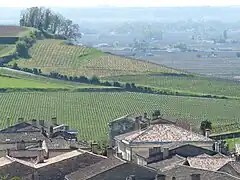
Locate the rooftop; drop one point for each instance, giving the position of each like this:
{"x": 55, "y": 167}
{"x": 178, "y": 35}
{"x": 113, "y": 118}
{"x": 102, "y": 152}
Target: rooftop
{"x": 5, "y": 161}
{"x": 182, "y": 172}
{"x": 95, "y": 169}
{"x": 164, "y": 133}
{"x": 168, "y": 163}
{"x": 208, "y": 162}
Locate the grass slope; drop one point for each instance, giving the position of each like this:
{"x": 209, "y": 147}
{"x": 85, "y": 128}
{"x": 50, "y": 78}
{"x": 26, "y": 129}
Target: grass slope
{"x": 90, "y": 112}
{"x": 195, "y": 84}
{"x": 14, "y": 79}
{"x": 6, "y": 50}
{"x": 14, "y": 31}
{"x": 54, "y": 55}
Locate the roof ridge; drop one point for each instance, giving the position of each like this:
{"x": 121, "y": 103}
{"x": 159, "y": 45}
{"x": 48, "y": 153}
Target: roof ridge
{"x": 221, "y": 172}
{"x": 144, "y": 131}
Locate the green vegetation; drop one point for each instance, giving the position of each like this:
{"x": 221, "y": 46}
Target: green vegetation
{"x": 54, "y": 55}
{"x": 90, "y": 112}
{"x": 6, "y": 50}
{"x": 231, "y": 143}
{"x": 187, "y": 84}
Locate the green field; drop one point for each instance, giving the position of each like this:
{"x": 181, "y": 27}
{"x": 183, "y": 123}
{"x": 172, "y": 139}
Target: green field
{"x": 195, "y": 84}
{"x": 6, "y": 50}
{"x": 54, "y": 55}
{"x": 12, "y": 79}
{"x": 90, "y": 112}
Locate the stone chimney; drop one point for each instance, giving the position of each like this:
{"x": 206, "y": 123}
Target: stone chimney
{"x": 66, "y": 128}
{"x": 195, "y": 177}
{"x": 41, "y": 122}
{"x": 20, "y": 120}
{"x": 50, "y": 131}
{"x": 165, "y": 152}
{"x": 137, "y": 124}
{"x": 145, "y": 115}
{"x": 54, "y": 120}
{"x": 110, "y": 152}
{"x": 94, "y": 147}
{"x": 207, "y": 132}
{"x": 160, "y": 177}
{"x": 45, "y": 148}
{"x": 34, "y": 122}
{"x": 8, "y": 121}
{"x": 40, "y": 157}
{"x": 73, "y": 144}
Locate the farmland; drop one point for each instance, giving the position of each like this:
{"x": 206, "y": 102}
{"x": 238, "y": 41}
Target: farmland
{"x": 13, "y": 79}
{"x": 90, "y": 112}
{"x": 13, "y": 31}
{"x": 194, "y": 84}
{"x": 54, "y": 55}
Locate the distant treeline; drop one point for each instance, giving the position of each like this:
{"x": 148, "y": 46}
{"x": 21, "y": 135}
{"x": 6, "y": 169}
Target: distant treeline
{"x": 131, "y": 87}
{"x": 52, "y": 24}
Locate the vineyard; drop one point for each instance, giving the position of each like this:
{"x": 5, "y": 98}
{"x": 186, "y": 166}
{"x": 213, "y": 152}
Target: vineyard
{"x": 190, "y": 84}
{"x": 54, "y": 55}
{"x": 90, "y": 112}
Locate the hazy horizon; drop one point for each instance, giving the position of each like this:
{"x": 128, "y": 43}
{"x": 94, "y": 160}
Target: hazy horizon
{"x": 117, "y": 3}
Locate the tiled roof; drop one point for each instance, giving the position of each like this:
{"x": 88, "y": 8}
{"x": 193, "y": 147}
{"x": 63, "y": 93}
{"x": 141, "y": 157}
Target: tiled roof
{"x": 232, "y": 168}
{"x": 20, "y": 136}
{"x": 24, "y": 126}
{"x": 208, "y": 163}
{"x": 168, "y": 163}
{"x": 182, "y": 172}
{"x": 95, "y": 169}
{"x": 165, "y": 133}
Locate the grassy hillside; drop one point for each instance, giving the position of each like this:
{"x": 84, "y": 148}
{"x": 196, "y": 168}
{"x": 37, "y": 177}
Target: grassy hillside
{"x": 54, "y": 55}
{"x": 189, "y": 84}
{"x": 90, "y": 112}
{"x": 6, "y": 50}
{"x": 14, "y": 79}
{"x": 14, "y": 31}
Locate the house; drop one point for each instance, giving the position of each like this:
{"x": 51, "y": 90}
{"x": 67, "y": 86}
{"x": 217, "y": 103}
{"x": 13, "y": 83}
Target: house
{"x": 232, "y": 167}
{"x": 113, "y": 168}
{"x": 147, "y": 156}
{"x": 131, "y": 122}
{"x": 182, "y": 172}
{"x": 158, "y": 137}
{"x": 39, "y": 167}
{"x": 29, "y": 135}
{"x": 208, "y": 162}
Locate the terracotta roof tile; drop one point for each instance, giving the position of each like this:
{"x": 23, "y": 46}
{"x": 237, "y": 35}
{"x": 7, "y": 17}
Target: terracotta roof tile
{"x": 209, "y": 163}
{"x": 165, "y": 133}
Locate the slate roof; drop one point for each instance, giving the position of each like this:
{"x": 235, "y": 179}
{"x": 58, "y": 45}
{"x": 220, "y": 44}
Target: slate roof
{"x": 232, "y": 168}
{"x": 165, "y": 133}
{"x": 168, "y": 164}
{"x": 209, "y": 163}
{"x": 20, "y": 127}
{"x": 95, "y": 169}
{"x": 182, "y": 172}
{"x": 112, "y": 168}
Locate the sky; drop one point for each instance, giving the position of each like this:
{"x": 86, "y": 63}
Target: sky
{"x": 124, "y": 3}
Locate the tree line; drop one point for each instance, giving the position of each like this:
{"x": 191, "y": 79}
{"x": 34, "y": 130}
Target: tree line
{"x": 132, "y": 87}
{"x": 49, "y": 22}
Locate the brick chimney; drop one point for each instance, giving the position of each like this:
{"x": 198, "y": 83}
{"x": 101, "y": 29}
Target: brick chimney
{"x": 195, "y": 177}
{"x": 40, "y": 157}
{"x": 160, "y": 177}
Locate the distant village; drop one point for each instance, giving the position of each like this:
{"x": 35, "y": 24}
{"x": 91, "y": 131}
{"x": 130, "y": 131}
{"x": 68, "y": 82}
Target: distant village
{"x": 140, "y": 147}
